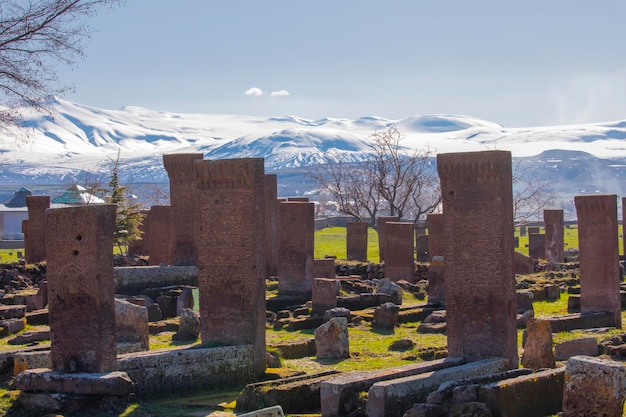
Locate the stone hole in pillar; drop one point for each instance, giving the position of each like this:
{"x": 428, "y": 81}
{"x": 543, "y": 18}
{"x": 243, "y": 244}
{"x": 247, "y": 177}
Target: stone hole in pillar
{"x": 79, "y": 237}
{"x": 75, "y": 252}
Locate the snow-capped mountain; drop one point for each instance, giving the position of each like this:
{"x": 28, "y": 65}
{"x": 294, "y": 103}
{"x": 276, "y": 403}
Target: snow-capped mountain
{"x": 72, "y": 138}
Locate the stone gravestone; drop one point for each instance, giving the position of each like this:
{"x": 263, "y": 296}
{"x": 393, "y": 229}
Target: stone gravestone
{"x": 522, "y": 230}
{"x": 434, "y": 223}
{"x": 399, "y": 258}
{"x": 159, "y": 238}
{"x": 25, "y": 233}
{"x": 295, "y": 248}
{"x": 534, "y": 230}
{"x": 598, "y": 257}
{"x": 381, "y": 221}
{"x": 437, "y": 268}
{"x": 180, "y": 169}
{"x": 324, "y": 268}
{"x": 593, "y": 387}
{"x": 421, "y": 248}
{"x": 538, "y": 348}
{"x": 324, "y": 294}
{"x": 271, "y": 220}
{"x": 356, "y": 241}
{"x": 480, "y": 283}
{"x": 554, "y": 235}
{"x": 536, "y": 245}
{"x": 36, "y": 248}
{"x": 81, "y": 288}
{"x": 140, "y": 246}
{"x": 231, "y": 269}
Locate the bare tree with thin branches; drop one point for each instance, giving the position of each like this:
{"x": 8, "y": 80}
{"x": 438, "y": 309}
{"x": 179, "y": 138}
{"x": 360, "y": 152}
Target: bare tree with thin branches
{"x": 35, "y": 35}
{"x": 530, "y": 194}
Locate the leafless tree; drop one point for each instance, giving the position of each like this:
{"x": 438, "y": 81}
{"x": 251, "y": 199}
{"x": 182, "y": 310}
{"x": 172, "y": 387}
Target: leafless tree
{"x": 155, "y": 194}
{"x": 35, "y": 35}
{"x": 531, "y": 195}
{"x": 392, "y": 178}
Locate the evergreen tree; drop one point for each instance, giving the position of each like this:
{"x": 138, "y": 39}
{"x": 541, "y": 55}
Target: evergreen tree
{"x": 128, "y": 218}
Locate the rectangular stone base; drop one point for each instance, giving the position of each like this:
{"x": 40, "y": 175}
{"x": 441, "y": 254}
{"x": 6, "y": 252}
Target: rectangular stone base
{"x": 45, "y": 380}
{"x": 581, "y": 321}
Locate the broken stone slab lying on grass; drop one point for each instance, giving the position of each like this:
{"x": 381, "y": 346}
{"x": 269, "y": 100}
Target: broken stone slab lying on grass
{"x": 44, "y": 380}
{"x": 295, "y": 394}
{"x": 339, "y": 394}
{"x": 275, "y": 411}
{"x": 392, "y": 398}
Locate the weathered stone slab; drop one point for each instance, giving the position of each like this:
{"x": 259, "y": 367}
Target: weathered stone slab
{"x": 35, "y": 242}
{"x": 537, "y": 245}
{"x": 295, "y": 394}
{"x": 538, "y": 348}
{"x": 399, "y": 257}
{"x": 599, "y": 257}
{"x": 324, "y": 294}
{"x": 536, "y": 395}
{"x": 554, "y": 235}
{"x": 182, "y": 371}
{"x": 231, "y": 270}
{"x": 131, "y": 324}
{"x": 523, "y": 264}
{"x": 270, "y": 201}
{"x": 296, "y": 225}
{"x": 392, "y": 398}
{"x": 356, "y": 241}
{"x": 324, "y": 268}
{"x": 339, "y": 395}
{"x": 381, "y": 228}
{"x": 586, "y": 346}
{"x": 332, "y": 340}
{"x": 132, "y": 280}
{"x": 12, "y": 311}
{"x": 275, "y": 411}
{"x": 575, "y": 321}
{"x": 45, "y": 380}
{"x": 159, "y": 223}
{"x": 31, "y": 360}
{"x": 79, "y": 248}
{"x": 434, "y": 224}
{"x": 594, "y": 387}
{"x": 181, "y": 172}
{"x": 480, "y": 282}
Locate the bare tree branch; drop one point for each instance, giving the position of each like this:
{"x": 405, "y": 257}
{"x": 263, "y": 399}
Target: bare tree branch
{"x": 34, "y": 36}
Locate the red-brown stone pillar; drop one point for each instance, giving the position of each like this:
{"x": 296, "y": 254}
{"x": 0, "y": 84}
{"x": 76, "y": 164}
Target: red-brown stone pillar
{"x": 271, "y": 219}
{"x": 624, "y": 225}
{"x": 295, "y": 248}
{"x": 180, "y": 169}
{"x": 324, "y": 268}
{"x": 381, "y": 221}
{"x": 37, "y": 206}
{"x": 231, "y": 270}
{"x": 81, "y": 288}
{"x": 536, "y": 245}
{"x": 159, "y": 238}
{"x": 434, "y": 224}
{"x": 399, "y": 259}
{"x": 480, "y": 282}
{"x": 554, "y": 235}
{"x": 140, "y": 246}
{"x": 598, "y": 257}
{"x": 356, "y": 241}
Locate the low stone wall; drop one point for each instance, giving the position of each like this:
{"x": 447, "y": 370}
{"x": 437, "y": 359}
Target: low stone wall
{"x": 181, "y": 371}
{"x": 131, "y": 280}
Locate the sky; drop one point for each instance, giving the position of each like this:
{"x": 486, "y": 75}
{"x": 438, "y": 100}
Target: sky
{"x": 520, "y": 64}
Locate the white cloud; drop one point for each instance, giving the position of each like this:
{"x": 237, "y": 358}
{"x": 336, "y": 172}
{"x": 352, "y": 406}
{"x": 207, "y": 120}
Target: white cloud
{"x": 254, "y": 91}
{"x": 280, "y": 93}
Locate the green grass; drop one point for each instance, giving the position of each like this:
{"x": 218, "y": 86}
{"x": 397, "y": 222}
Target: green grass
{"x": 570, "y": 239}
{"x": 9, "y": 255}
{"x": 332, "y": 241}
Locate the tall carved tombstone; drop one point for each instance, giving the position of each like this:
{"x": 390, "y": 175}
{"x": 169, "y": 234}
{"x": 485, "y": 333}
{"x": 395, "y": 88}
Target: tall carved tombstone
{"x": 480, "y": 282}
{"x": 159, "y": 237}
{"x": 296, "y": 227}
{"x": 381, "y": 221}
{"x": 598, "y": 257}
{"x": 271, "y": 220}
{"x": 554, "y": 235}
{"x": 624, "y": 225}
{"x": 437, "y": 267}
{"x": 537, "y": 245}
{"x": 180, "y": 169}
{"x": 140, "y": 246}
{"x": 399, "y": 258}
{"x": 434, "y": 224}
{"x": 81, "y": 288}
{"x": 231, "y": 270}
{"x": 37, "y": 205}
{"x": 356, "y": 241}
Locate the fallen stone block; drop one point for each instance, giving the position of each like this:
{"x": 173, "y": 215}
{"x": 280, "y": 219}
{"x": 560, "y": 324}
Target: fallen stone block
{"x": 275, "y": 411}
{"x": 587, "y": 346}
{"x": 571, "y": 322}
{"x": 294, "y": 394}
{"x": 31, "y": 360}
{"x": 12, "y": 311}
{"x": 132, "y": 280}
{"x": 10, "y": 326}
{"x": 296, "y": 349}
{"x": 535, "y": 395}
{"x": 45, "y": 380}
{"x": 339, "y": 395}
{"x": 392, "y": 398}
